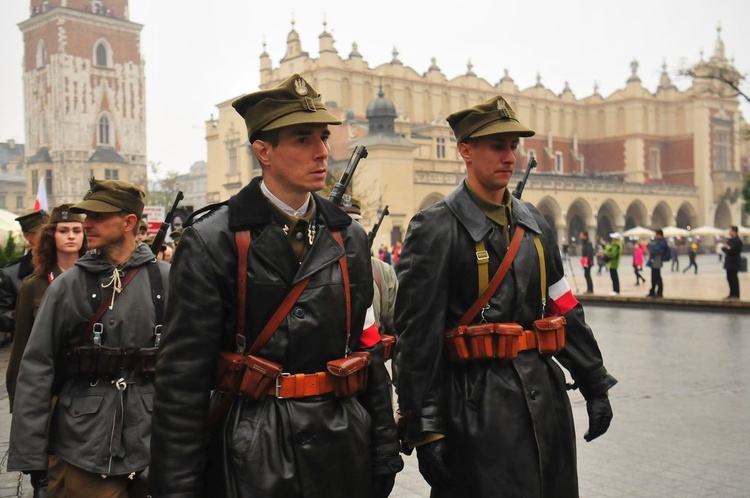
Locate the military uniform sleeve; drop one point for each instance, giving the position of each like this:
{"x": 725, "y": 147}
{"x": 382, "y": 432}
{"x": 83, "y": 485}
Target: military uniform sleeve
{"x": 190, "y": 343}
{"x": 423, "y": 271}
{"x": 7, "y": 302}
{"x": 31, "y": 409}
{"x": 388, "y": 301}
{"x": 24, "y": 315}
{"x": 581, "y": 355}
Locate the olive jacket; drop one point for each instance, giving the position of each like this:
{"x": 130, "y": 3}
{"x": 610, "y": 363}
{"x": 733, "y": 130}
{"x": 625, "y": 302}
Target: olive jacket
{"x": 305, "y": 447}
{"x": 94, "y": 426}
{"x": 508, "y": 425}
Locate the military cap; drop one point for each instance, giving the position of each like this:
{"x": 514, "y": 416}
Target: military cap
{"x": 111, "y": 196}
{"x": 176, "y": 236}
{"x": 33, "y": 220}
{"x": 351, "y": 206}
{"x": 149, "y": 241}
{"x": 142, "y": 225}
{"x": 293, "y": 102}
{"x": 489, "y": 118}
{"x": 62, "y": 214}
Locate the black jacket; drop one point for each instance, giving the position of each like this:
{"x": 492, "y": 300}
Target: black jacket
{"x": 733, "y": 254}
{"x": 508, "y": 424}
{"x": 311, "y": 447}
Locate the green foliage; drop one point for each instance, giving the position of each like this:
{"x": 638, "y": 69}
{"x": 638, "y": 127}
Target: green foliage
{"x": 10, "y": 251}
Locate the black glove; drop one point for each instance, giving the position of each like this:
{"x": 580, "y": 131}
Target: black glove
{"x": 382, "y": 485}
{"x": 433, "y": 463}
{"x": 39, "y": 483}
{"x": 600, "y": 415}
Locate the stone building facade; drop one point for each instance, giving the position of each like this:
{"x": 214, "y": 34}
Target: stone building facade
{"x": 84, "y": 91}
{"x": 635, "y": 157}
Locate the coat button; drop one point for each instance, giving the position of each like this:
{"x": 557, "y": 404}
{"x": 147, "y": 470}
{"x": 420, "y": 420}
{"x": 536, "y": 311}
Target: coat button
{"x": 112, "y": 322}
{"x": 534, "y": 394}
{"x": 302, "y": 438}
{"x": 299, "y": 312}
{"x": 298, "y": 235}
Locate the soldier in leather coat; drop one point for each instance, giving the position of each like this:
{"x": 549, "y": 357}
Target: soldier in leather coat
{"x": 308, "y": 443}
{"x": 498, "y": 426}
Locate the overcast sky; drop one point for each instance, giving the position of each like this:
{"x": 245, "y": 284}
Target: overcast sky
{"x": 199, "y": 53}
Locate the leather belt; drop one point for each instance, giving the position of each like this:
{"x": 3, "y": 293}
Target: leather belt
{"x": 302, "y": 385}
{"x": 527, "y": 341}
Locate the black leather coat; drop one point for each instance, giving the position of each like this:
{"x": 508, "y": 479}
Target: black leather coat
{"x": 508, "y": 424}
{"x": 307, "y": 447}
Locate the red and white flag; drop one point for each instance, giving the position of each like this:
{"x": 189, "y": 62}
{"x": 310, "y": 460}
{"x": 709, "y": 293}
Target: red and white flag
{"x": 41, "y": 197}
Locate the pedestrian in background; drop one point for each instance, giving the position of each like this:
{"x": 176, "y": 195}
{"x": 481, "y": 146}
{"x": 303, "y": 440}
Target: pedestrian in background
{"x": 613, "y": 254}
{"x": 732, "y": 250}
{"x": 692, "y": 252}
{"x": 638, "y": 262}
{"x": 675, "y": 255}
{"x": 600, "y": 263}
{"x": 587, "y": 261}
{"x": 658, "y": 252}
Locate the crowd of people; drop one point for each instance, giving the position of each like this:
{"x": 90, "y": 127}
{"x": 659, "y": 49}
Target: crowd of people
{"x": 247, "y": 356}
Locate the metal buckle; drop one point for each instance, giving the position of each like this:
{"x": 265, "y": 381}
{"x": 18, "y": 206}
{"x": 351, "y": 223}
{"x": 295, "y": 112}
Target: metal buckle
{"x": 157, "y": 336}
{"x": 278, "y": 384}
{"x": 98, "y": 331}
{"x": 483, "y": 256}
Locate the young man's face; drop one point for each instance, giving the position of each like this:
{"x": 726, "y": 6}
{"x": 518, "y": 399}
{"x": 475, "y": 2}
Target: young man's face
{"x": 299, "y": 163}
{"x": 490, "y": 161}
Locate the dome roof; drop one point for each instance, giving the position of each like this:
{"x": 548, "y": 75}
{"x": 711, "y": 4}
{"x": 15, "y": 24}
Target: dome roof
{"x": 381, "y": 107}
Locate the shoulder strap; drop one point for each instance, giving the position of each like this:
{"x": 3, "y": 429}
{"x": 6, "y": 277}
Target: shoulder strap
{"x": 103, "y": 307}
{"x": 484, "y": 298}
{"x": 243, "y": 241}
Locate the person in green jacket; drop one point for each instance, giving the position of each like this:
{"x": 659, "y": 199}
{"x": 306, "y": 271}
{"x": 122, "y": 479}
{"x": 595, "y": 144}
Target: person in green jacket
{"x": 613, "y": 253}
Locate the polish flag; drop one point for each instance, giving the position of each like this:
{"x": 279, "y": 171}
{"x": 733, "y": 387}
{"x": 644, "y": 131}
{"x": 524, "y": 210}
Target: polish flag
{"x": 370, "y": 334}
{"x": 561, "y": 298}
{"x": 41, "y": 197}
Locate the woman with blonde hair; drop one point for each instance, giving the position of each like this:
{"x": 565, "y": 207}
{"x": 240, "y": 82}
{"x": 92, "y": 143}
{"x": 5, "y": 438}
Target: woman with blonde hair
{"x": 61, "y": 243}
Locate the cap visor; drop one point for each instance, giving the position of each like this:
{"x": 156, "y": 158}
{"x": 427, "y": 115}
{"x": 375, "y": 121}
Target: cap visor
{"x": 303, "y": 117}
{"x": 497, "y": 127}
{"x": 94, "y": 207}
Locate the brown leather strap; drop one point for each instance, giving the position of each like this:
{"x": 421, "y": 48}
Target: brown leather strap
{"x": 347, "y": 290}
{"x": 482, "y": 300}
{"x": 103, "y": 308}
{"x": 243, "y": 240}
{"x": 281, "y": 312}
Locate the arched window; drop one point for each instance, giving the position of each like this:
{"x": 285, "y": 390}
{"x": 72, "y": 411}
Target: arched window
{"x": 41, "y": 54}
{"x": 104, "y": 130}
{"x": 101, "y": 55}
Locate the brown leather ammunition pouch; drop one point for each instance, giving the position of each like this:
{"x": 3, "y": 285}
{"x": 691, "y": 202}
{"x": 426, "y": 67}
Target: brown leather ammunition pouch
{"x": 388, "y": 343}
{"x": 550, "y": 334}
{"x": 108, "y": 360}
{"x": 349, "y": 374}
{"x": 507, "y": 337}
{"x": 481, "y": 341}
{"x": 455, "y": 344}
{"x": 251, "y": 376}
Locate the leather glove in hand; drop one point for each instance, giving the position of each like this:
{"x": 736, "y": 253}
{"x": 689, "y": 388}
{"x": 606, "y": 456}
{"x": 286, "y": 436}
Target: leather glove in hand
{"x": 382, "y": 485}
{"x": 39, "y": 483}
{"x": 600, "y": 415}
{"x": 433, "y": 463}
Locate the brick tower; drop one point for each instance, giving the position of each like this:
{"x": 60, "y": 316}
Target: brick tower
{"x": 84, "y": 91}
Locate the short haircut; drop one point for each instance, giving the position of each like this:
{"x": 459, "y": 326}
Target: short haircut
{"x": 734, "y": 228}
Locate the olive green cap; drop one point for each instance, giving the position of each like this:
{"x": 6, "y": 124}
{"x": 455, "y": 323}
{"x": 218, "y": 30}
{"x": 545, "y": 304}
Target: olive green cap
{"x": 33, "y": 220}
{"x": 62, "y": 214}
{"x": 176, "y": 236}
{"x": 293, "y": 102}
{"x": 111, "y": 196}
{"x": 142, "y": 225}
{"x": 489, "y": 118}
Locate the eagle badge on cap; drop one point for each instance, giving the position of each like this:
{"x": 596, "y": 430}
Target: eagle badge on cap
{"x": 64, "y": 215}
{"x": 503, "y": 108}
{"x": 346, "y": 200}
{"x": 300, "y": 87}
{"x": 92, "y": 188}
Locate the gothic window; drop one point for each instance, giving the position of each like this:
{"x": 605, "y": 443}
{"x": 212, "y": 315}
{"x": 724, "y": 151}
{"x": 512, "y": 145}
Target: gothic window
{"x": 558, "y": 162}
{"x": 48, "y": 181}
{"x": 111, "y": 174}
{"x": 34, "y": 180}
{"x": 104, "y": 130}
{"x": 654, "y": 162}
{"x": 102, "y": 54}
{"x": 41, "y": 54}
{"x": 722, "y": 149}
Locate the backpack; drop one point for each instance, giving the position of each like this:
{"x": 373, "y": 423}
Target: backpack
{"x": 667, "y": 254}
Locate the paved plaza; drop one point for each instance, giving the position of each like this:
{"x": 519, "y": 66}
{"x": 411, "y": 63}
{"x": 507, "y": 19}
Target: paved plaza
{"x": 681, "y": 407}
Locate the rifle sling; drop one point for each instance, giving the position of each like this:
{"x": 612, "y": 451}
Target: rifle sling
{"x": 103, "y": 308}
{"x": 484, "y": 298}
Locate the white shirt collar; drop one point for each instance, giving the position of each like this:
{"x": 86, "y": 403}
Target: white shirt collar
{"x": 285, "y": 208}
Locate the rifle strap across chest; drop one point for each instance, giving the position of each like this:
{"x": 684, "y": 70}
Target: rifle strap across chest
{"x": 243, "y": 241}
{"x": 103, "y": 308}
